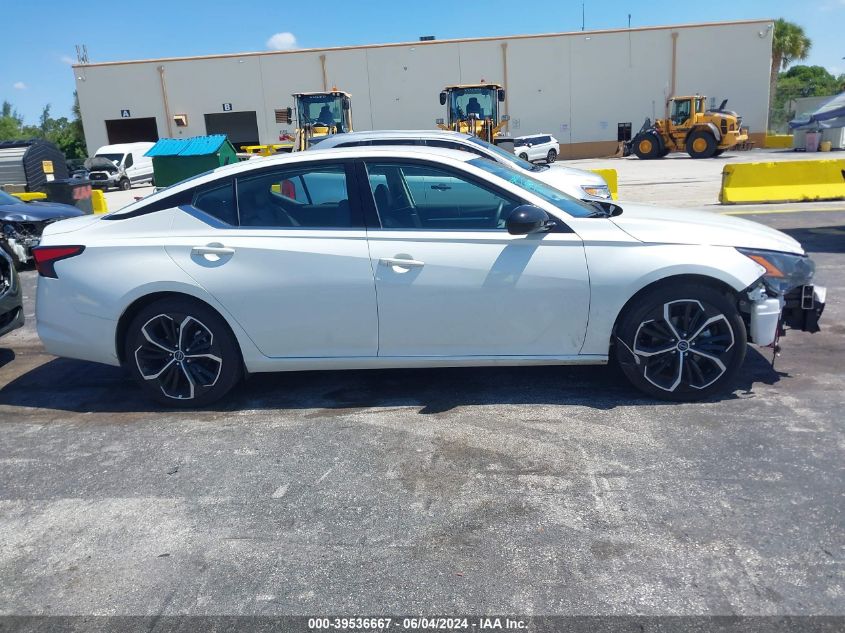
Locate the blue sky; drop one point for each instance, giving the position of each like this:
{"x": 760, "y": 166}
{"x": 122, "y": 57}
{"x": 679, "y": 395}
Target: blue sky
{"x": 39, "y": 35}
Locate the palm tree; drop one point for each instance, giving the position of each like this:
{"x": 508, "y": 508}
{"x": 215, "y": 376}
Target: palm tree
{"x": 789, "y": 43}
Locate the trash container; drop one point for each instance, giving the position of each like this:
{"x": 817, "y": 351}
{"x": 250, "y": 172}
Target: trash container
{"x": 75, "y": 191}
{"x": 813, "y": 139}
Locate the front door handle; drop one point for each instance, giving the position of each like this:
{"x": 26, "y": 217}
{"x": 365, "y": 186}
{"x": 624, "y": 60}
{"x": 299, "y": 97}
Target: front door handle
{"x": 401, "y": 262}
{"x": 212, "y": 249}
{"x": 441, "y": 187}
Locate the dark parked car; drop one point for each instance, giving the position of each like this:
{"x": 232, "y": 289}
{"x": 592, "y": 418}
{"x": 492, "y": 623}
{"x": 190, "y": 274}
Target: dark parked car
{"x": 11, "y": 308}
{"x": 21, "y": 224}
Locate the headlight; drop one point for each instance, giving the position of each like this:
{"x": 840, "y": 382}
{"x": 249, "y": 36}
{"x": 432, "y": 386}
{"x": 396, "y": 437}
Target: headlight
{"x": 597, "y": 191}
{"x": 784, "y": 271}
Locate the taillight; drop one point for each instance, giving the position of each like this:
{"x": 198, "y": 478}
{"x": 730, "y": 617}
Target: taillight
{"x": 47, "y": 256}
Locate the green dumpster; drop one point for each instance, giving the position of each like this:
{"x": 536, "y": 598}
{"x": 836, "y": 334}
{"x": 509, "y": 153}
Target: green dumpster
{"x": 175, "y": 159}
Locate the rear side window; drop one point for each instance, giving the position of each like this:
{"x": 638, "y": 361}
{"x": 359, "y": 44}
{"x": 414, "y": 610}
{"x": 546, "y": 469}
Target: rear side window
{"x": 297, "y": 197}
{"x": 218, "y": 202}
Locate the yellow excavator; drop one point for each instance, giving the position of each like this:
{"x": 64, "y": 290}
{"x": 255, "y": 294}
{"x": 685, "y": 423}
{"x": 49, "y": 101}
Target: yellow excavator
{"x": 474, "y": 109}
{"x": 319, "y": 114}
{"x": 690, "y": 127}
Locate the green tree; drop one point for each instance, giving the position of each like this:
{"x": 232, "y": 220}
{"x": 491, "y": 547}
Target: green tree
{"x": 797, "y": 82}
{"x": 789, "y": 43}
{"x": 67, "y": 134}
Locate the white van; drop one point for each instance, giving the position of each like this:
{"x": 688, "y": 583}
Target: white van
{"x": 121, "y": 165}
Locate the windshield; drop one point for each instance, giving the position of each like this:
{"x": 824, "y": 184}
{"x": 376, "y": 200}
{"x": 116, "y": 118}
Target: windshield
{"x": 5, "y": 198}
{"x": 479, "y": 101}
{"x": 115, "y": 158}
{"x": 565, "y": 203}
{"x": 511, "y": 158}
{"x": 317, "y": 109}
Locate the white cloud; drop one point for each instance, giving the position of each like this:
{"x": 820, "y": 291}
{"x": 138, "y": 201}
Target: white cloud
{"x": 67, "y": 59}
{"x": 19, "y": 85}
{"x": 282, "y": 41}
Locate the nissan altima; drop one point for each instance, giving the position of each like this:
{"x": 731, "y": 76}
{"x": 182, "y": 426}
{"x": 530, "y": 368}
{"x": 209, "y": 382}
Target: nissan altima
{"x": 381, "y": 257}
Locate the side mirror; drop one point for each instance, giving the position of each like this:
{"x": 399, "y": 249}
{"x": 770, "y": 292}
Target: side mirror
{"x": 501, "y": 95}
{"x": 527, "y": 219}
{"x": 443, "y": 98}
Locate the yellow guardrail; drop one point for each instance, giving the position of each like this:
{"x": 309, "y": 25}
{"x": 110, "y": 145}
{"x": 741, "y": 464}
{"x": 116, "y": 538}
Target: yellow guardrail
{"x": 98, "y": 201}
{"x": 778, "y": 141}
{"x": 612, "y": 180}
{"x": 28, "y": 196}
{"x": 784, "y": 181}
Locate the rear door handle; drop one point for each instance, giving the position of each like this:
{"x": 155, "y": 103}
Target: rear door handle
{"x": 401, "y": 262}
{"x": 212, "y": 249}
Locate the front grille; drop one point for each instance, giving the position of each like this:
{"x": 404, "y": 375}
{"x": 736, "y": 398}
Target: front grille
{"x": 97, "y": 176}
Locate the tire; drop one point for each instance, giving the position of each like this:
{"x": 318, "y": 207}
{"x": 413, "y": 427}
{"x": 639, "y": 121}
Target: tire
{"x": 701, "y": 144}
{"x": 664, "y": 152}
{"x": 718, "y": 152}
{"x": 646, "y": 146}
{"x": 124, "y": 184}
{"x": 523, "y": 156}
{"x": 175, "y": 372}
{"x": 702, "y": 360}
{"x": 551, "y": 156}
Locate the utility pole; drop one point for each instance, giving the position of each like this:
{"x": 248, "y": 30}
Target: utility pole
{"x": 582, "y": 16}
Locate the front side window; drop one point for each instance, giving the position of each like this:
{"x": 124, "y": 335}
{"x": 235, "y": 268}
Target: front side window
{"x": 128, "y": 162}
{"x": 680, "y": 112}
{"x": 297, "y": 197}
{"x": 553, "y": 196}
{"x": 413, "y": 196}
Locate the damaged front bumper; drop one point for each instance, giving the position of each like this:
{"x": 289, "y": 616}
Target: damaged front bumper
{"x": 769, "y": 317}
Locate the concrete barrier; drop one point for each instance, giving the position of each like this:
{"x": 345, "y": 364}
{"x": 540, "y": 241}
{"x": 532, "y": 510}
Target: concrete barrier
{"x": 612, "y": 180}
{"x": 98, "y": 201}
{"x": 785, "y": 181}
{"x": 28, "y": 196}
{"x": 778, "y": 141}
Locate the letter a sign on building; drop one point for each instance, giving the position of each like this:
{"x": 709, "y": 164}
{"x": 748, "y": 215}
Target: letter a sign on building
{"x": 124, "y": 114}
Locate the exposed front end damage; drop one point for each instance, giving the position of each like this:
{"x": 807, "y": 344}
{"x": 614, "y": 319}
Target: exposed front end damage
{"x": 21, "y": 226}
{"x": 782, "y": 298}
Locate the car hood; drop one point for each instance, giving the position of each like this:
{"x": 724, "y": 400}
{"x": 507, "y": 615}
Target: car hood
{"x": 568, "y": 180}
{"x": 37, "y": 211}
{"x": 98, "y": 163}
{"x": 684, "y": 226}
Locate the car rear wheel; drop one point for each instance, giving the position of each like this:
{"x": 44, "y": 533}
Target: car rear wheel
{"x": 682, "y": 343}
{"x": 551, "y": 156}
{"x": 182, "y": 353}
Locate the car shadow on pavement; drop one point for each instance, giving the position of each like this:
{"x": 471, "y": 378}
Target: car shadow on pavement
{"x": 83, "y": 387}
{"x": 822, "y": 239}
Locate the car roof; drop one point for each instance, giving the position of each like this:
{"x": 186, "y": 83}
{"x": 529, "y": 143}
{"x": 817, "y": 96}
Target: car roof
{"x": 336, "y": 153}
{"x": 122, "y": 147}
{"x": 347, "y": 137}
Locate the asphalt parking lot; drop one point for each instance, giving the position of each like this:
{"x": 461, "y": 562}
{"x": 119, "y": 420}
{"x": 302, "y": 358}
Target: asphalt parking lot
{"x": 525, "y": 491}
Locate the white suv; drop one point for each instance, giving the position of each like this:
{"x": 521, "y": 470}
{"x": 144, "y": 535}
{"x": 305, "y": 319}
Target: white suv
{"x": 538, "y": 147}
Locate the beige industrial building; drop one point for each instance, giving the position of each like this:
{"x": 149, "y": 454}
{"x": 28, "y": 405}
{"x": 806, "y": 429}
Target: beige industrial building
{"x": 582, "y": 87}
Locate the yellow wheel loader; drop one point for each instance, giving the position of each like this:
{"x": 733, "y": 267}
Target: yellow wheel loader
{"x": 319, "y": 114}
{"x": 690, "y": 127}
{"x": 474, "y": 109}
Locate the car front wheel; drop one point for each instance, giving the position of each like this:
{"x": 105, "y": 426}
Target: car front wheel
{"x": 681, "y": 343}
{"x": 182, "y": 353}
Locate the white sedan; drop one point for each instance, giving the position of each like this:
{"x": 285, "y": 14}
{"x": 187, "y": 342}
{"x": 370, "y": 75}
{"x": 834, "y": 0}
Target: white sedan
{"x": 375, "y": 257}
